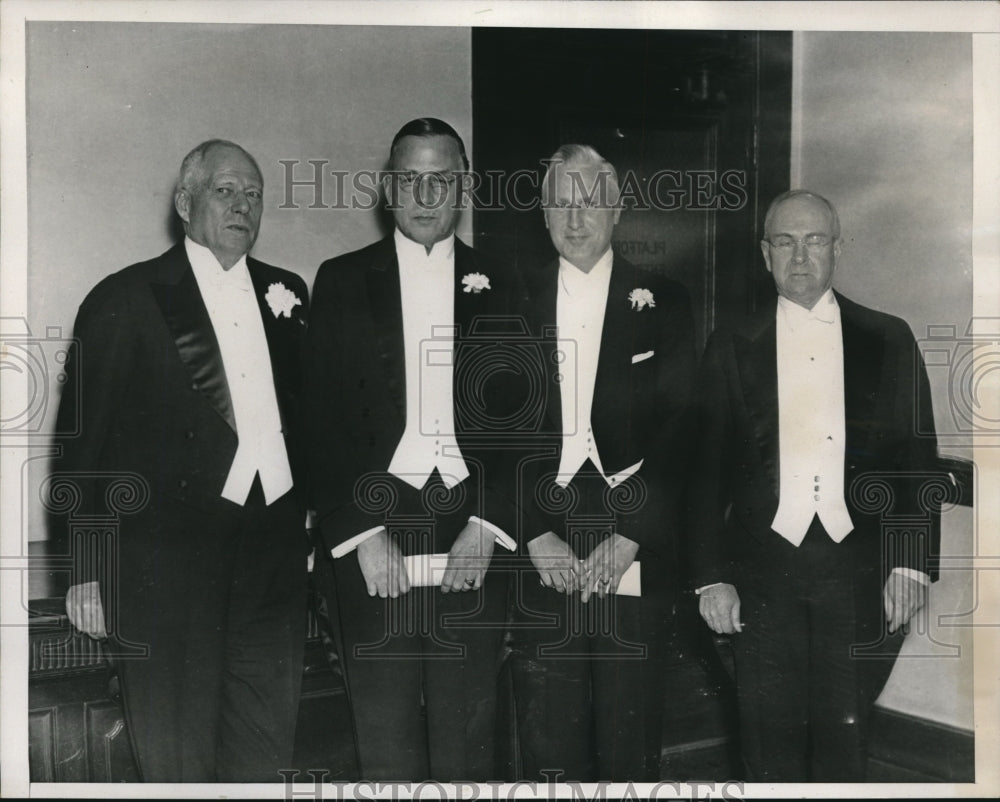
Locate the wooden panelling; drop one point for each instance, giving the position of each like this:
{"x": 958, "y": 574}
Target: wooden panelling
{"x": 903, "y": 746}
{"x": 41, "y": 747}
{"x": 78, "y": 732}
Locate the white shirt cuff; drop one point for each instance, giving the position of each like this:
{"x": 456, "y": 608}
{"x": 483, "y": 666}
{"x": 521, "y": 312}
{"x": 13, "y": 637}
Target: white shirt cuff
{"x": 502, "y": 537}
{"x": 913, "y": 573}
{"x": 627, "y": 473}
{"x": 703, "y": 588}
{"x": 350, "y": 545}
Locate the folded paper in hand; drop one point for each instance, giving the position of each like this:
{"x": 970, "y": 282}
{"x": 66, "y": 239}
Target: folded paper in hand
{"x": 630, "y": 585}
{"x": 428, "y": 570}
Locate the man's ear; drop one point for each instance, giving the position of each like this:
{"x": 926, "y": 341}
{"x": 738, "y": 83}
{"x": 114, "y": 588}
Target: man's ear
{"x": 765, "y": 248}
{"x": 182, "y": 203}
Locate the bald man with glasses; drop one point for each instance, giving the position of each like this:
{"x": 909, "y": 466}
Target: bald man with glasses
{"x": 808, "y": 403}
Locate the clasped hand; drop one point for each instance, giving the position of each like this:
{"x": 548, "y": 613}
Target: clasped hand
{"x": 602, "y": 571}
{"x": 384, "y": 569}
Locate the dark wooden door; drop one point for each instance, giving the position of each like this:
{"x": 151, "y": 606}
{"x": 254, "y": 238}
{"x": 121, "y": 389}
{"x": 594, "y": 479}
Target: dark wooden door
{"x": 696, "y": 123}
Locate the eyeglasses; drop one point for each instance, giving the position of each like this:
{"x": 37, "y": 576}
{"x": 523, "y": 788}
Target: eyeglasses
{"x": 426, "y": 182}
{"x": 813, "y": 242}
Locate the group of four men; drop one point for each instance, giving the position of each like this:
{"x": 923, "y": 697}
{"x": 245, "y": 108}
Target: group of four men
{"x": 399, "y": 424}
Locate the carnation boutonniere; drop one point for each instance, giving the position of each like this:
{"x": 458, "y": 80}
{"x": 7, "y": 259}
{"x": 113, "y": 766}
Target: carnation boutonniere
{"x": 281, "y": 300}
{"x": 475, "y": 283}
{"x": 641, "y": 298}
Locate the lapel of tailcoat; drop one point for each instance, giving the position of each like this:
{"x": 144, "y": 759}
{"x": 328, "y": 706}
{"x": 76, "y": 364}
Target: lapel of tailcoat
{"x": 176, "y": 292}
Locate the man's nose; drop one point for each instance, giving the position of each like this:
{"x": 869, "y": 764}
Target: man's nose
{"x": 425, "y": 195}
{"x": 799, "y": 250}
{"x": 241, "y": 203}
{"x": 574, "y": 218}
{"x": 429, "y": 192}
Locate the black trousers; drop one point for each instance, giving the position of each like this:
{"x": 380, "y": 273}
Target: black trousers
{"x": 589, "y": 678}
{"x": 811, "y": 660}
{"x": 221, "y": 606}
{"x": 422, "y": 669}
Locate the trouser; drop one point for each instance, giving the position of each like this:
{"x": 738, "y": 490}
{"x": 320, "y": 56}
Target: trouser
{"x": 219, "y": 600}
{"x": 805, "y": 689}
{"x": 422, "y": 673}
{"x": 589, "y": 678}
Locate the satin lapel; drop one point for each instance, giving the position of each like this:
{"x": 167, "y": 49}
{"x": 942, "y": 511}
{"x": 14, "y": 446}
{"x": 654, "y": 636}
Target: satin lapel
{"x": 863, "y": 358}
{"x": 757, "y": 362}
{"x": 617, "y": 338}
{"x": 543, "y": 326}
{"x": 387, "y": 317}
{"x": 187, "y": 320}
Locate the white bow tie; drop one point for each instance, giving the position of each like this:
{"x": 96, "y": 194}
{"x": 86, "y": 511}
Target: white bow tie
{"x": 798, "y": 315}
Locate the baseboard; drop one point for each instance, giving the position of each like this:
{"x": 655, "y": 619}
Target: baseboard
{"x": 905, "y": 748}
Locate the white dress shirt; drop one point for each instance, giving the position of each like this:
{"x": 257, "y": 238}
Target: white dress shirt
{"x": 427, "y": 293}
{"x": 427, "y": 296}
{"x": 235, "y": 314}
{"x": 811, "y": 430}
{"x": 581, "y": 301}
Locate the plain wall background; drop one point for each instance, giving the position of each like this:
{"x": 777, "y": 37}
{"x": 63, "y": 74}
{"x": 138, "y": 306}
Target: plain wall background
{"x": 886, "y": 135}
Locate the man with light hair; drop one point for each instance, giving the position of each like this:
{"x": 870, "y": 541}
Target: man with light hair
{"x": 807, "y": 403}
{"x": 189, "y": 379}
{"x": 593, "y": 603}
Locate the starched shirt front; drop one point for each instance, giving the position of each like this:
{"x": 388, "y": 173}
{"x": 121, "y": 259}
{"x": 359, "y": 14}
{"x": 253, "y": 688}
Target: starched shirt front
{"x": 581, "y": 301}
{"x": 811, "y": 430}
{"x": 235, "y": 314}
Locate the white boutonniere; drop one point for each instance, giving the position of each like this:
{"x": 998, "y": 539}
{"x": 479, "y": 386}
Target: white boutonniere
{"x": 281, "y": 300}
{"x": 475, "y": 283}
{"x": 641, "y": 298}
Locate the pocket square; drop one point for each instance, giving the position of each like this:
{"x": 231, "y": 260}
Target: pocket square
{"x": 641, "y": 357}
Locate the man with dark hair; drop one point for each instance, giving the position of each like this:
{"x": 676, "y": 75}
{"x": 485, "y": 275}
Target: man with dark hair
{"x": 810, "y": 418}
{"x": 189, "y": 369}
{"x": 396, "y": 478}
{"x": 429, "y": 127}
{"x": 593, "y": 607}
